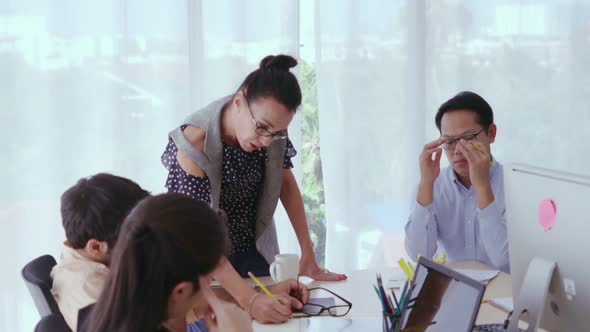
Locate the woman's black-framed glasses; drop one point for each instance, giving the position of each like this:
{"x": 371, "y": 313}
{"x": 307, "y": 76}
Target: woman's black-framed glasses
{"x": 261, "y": 130}
{"x": 339, "y": 310}
{"x": 450, "y": 143}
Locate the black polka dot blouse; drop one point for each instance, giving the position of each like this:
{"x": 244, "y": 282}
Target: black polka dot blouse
{"x": 241, "y": 184}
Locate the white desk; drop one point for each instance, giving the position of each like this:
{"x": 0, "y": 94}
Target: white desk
{"x": 365, "y": 313}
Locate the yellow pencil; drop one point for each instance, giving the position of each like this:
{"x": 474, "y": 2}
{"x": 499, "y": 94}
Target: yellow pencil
{"x": 261, "y": 285}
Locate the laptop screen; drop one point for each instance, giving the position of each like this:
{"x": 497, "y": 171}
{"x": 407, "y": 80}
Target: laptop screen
{"x": 443, "y": 296}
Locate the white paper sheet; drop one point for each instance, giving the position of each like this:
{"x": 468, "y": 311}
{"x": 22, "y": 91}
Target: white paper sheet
{"x": 503, "y": 303}
{"x": 483, "y": 276}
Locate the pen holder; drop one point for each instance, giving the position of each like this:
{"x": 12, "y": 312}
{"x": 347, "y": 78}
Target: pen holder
{"x": 391, "y": 323}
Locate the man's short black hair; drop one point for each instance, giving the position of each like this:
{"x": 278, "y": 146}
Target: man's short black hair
{"x": 95, "y": 207}
{"x": 471, "y": 101}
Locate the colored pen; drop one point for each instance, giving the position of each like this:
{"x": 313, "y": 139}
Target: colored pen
{"x": 395, "y": 298}
{"x": 383, "y": 295}
{"x": 380, "y": 298}
{"x": 403, "y": 295}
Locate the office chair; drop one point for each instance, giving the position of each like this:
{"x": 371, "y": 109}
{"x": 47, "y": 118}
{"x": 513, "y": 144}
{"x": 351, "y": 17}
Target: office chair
{"x": 52, "y": 323}
{"x": 38, "y": 281}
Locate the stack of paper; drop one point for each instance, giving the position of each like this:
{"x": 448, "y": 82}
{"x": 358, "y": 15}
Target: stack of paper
{"x": 483, "y": 276}
{"x": 502, "y": 303}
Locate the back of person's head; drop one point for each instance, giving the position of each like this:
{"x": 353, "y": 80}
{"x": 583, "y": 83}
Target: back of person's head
{"x": 469, "y": 101}
{"x": 274, "y": 79}
{"x": 166, "y": 240}
{"x": 95, "y": 207}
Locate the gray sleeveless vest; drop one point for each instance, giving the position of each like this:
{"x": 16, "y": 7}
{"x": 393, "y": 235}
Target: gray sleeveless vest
{"x": 210, "y": 161}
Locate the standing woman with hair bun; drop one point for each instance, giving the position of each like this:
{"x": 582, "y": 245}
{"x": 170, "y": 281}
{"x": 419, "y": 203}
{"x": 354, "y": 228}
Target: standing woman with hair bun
{"x": 235, "y": 155}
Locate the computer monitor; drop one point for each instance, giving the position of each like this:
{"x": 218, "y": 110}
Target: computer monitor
{"x": 566, "y": 241}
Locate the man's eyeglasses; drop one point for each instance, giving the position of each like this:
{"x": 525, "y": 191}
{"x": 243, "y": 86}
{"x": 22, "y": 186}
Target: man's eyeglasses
{"x": 450, "y": 143}
{"x": 261, "y": 130}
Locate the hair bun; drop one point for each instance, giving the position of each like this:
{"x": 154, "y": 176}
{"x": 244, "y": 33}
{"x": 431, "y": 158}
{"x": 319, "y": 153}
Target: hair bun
{"x": 280, "y": 62}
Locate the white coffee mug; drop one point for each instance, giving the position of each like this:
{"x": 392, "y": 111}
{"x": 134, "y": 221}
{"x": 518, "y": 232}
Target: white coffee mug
{"x": 285, "y": 266}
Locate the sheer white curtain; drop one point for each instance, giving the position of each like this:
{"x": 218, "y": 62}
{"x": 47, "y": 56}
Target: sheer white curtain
{"x": 385, "y": 66}
{"x": 95, "y": 86}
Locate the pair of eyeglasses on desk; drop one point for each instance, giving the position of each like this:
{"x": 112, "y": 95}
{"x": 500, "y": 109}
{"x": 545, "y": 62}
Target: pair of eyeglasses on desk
{"x": 316, "y": 308}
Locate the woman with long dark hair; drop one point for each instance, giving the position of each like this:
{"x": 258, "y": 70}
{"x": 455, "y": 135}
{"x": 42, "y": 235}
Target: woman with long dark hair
{"x": 235, "y": 154}
{"x": 161, "y": 269}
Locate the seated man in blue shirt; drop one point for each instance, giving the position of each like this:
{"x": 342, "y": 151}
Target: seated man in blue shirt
{"x": 461, "y": 209}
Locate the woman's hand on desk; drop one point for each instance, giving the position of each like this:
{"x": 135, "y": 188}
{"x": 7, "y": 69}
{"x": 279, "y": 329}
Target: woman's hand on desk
{"x": 289, "y": 289}
{"x": 309, "y": 267}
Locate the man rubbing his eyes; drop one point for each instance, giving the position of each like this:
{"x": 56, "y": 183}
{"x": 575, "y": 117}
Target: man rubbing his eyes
{"x": 460, "y": 210}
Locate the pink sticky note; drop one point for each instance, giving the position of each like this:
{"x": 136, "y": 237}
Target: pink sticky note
{"x": 547, "y": 213}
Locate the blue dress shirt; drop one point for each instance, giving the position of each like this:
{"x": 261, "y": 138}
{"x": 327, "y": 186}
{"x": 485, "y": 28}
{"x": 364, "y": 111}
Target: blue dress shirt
{"x": 453, "y": 223}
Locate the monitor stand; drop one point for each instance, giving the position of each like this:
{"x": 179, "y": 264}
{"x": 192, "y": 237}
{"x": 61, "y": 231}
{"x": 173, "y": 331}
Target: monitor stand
{"x": 534, "y": 295}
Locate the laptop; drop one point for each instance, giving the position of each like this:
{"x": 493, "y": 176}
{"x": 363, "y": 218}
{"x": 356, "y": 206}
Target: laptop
{"x": 444, "y": 298}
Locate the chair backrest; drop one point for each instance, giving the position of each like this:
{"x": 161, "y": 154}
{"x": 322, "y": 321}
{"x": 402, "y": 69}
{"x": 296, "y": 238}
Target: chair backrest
{"x": 84, "y": 318}
{"x": 52, "y": 323}
{"x": 38, "y": 280}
